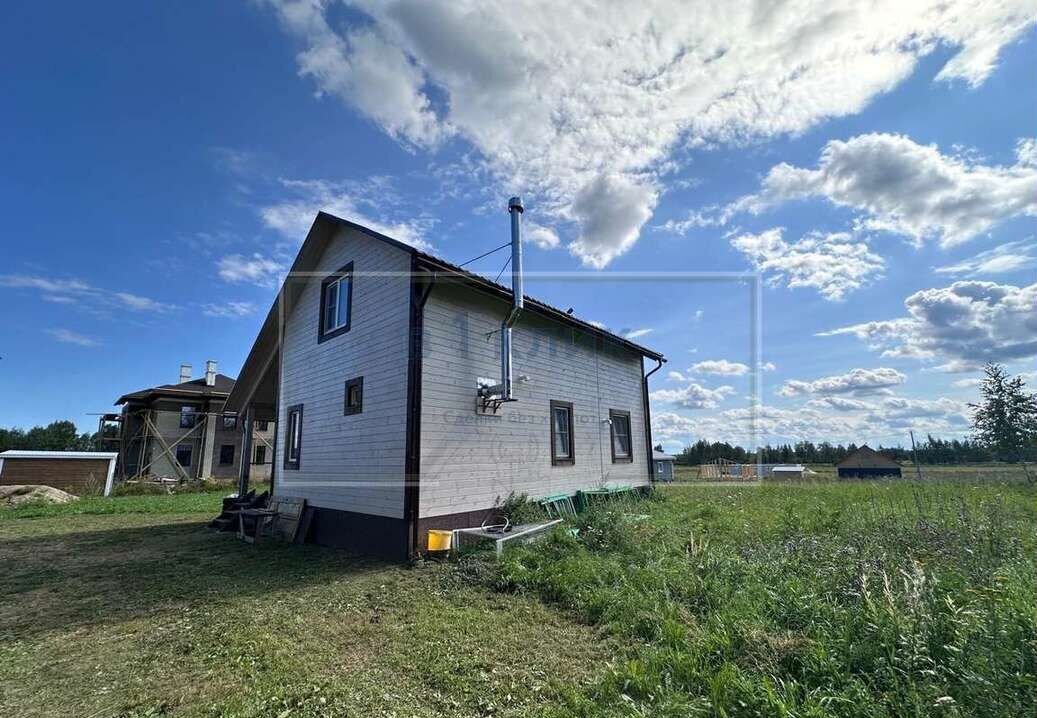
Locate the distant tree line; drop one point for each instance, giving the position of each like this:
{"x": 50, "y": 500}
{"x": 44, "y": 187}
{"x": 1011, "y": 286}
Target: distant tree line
{"x": 55, "y": 436}
{"x": 931, "y": 450}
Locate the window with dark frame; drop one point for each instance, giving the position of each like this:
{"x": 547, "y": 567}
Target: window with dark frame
{"x": 262, "y": 425}
{"x": 226, "y": 454}
{"x": 188, "y": 417}
{"x": 354, "y": 402}
{"x": 293, "y": 437}
{"x": 336, "y": 301}
{"x": 260, "y": 454}
{"x": 183, "y": 455}
{"x": 563, "y": 452}
{"x": 622, "y": 451}
{"x": 230, "y": 421}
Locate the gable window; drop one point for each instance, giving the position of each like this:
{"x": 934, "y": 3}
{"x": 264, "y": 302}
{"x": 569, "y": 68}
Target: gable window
{"x": 336, "y": 299}
{"x": 230, "y": 421}
{"x": 354, "y": 396}
{"x": 562, "y": 450}
{"x": 226, "y": 454}
{"x": 188, "y": 417}
{"x": 183, "y": 455}
{"x": 260, "y": 455}
{"x": 621, "y": 449}
{"x": 293, "y": 438}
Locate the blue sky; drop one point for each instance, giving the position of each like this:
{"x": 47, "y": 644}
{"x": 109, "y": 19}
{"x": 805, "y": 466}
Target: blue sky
{"x": 161, "y": 163}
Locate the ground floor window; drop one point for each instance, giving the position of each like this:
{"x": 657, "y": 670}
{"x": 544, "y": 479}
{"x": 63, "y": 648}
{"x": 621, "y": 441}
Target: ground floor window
{"x": 226, "y": 454}
{"x": 183, "y": 455}
{"x": 562, "y": 450}
{"x": 293, "y": 438}
{"x": 621, "y": 449}
{"x": 260, "y": 455}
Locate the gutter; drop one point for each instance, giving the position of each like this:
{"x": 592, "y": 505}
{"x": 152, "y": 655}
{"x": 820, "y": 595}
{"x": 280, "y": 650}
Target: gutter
{"x": 648, "y": 416}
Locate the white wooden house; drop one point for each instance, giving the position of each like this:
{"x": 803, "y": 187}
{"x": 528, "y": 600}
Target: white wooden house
{"x": 369, "y": 361}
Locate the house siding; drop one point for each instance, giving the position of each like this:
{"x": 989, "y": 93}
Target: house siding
{"x": 470, "y": 462}
{"x": 349, "y": 463}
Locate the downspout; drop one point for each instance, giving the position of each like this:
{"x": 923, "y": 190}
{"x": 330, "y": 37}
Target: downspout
{"x": 650, "y": 449}
{"x": 412, "y": 459}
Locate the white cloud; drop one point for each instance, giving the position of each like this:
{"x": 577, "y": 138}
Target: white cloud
{"x": 67, "y": 336}
{"x": 693, "y": 396}
{"x": 833, "y": 264}
{"x": 637, "y": 333}
{"x": 584, "y": 105}
{"x": 1007, "y": 257}
{"x": 906, "y": 188}
{"x": 229, "y": 309}
{"x": 839, "y": 403}
{"x": 967, "y": 383}
{"x": 349, "y": 200}
{"x": 543, "y": 237}
{"x": 142, "y": 304}
{"x": 768, "y": 366}
{"x": 722, "y": 367}
{"x": 676, "y": 376}
{"x": 79, "y": 293}
{"x": 963, "y": 325}
{"x": 257, "y": 269}
{"x": 855, "y": 381}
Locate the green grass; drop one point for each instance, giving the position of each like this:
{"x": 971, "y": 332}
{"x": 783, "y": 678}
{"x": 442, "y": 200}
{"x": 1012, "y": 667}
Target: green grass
{"x": 820, "y": 599}
{"x": 832, "y": 599}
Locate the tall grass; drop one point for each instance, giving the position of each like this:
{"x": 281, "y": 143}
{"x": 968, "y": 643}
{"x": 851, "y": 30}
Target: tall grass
{"x": 832, "y": 600}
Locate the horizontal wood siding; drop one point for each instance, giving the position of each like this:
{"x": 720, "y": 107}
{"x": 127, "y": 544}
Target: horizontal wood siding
{"x": 468, "y": 461}
{"x": 76, "y": 476}
{"x": 350, "y": 463}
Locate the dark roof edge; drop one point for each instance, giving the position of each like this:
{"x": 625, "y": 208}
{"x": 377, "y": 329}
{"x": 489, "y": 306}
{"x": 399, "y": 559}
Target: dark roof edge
{"x": 438, "y": 264}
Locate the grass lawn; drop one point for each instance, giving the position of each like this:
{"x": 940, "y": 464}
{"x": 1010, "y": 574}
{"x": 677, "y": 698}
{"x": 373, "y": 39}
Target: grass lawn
{"x": 802, "y": 600}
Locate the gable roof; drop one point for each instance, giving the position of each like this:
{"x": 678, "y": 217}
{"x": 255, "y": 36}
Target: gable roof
{"x": 660, "y": 456}
{"x": 867, "y": 458}
{"x": 194, "y": 389}
{"x": 321, "y": 233}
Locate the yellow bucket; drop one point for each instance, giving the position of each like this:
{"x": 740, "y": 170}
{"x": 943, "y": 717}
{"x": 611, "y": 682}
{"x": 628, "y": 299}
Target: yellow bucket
{"x": 439, "y": 540}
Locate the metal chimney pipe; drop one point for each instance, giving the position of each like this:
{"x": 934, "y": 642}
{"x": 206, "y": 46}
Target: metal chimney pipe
{"x": 210, "y": 373}
{"x": 515, "y": 209}
{"x": 185, "y": 373}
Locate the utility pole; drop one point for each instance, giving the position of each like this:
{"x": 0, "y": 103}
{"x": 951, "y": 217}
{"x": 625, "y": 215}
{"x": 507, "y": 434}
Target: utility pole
{"x": 914, "y": 453}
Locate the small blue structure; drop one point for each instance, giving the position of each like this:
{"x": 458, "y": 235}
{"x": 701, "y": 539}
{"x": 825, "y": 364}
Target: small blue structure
{"x": 663, "y": 466}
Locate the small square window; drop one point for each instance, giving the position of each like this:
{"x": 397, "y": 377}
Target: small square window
{"x": 336, "y": 299}
{"x": 293, "y": 438}
{"x": 622, "y": 451}
{"x": 230, "y": 421}
{"x": 183, "y": 455}
{"x": 226, "y": 454}
{"x": 354, "y": 396}
{"x": 562, "y": 450}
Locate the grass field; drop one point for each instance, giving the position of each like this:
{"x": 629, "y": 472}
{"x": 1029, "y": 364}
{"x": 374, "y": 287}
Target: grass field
{"x": 807, "y": 600}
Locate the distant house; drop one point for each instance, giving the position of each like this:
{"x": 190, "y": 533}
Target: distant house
{"x": 389, "y": 372}
{"x": 866, "y": 463}
{"x": 663, "y": 466}
{"x": 181, "y": 431}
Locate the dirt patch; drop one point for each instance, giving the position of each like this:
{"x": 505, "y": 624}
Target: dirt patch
{"x": 25, "y": 494}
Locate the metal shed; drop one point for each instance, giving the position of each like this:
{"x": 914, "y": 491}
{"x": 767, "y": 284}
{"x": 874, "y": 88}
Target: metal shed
{"x": 663, "y": 466}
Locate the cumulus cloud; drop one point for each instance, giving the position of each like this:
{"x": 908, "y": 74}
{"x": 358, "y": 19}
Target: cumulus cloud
{"x": 963, "y": 325}
{"x": 257, "y": 269}
{"x": 906, "y": 188}
{"x": 833, "y": 264}
{"x": 67, "y": 336}
{"x": 585, "y": 104}
{"x": 1008, "y": 257}
{"x": 855, "y": 381}
{"x": 543, "y": 237}
{"x": 722, "y": 367}
{"x": 693, "y": 396}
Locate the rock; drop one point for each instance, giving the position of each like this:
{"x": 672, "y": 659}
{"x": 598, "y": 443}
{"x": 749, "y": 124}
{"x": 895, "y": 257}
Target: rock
{"x": 23, "y": 494}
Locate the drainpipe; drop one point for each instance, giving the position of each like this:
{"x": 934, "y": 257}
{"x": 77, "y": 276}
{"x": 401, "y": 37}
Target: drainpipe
{"x": 648, "y": 418}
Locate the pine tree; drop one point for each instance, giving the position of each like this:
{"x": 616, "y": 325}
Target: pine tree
{"x": 1005, "y": 421}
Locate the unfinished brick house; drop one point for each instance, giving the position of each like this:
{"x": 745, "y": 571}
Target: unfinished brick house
{"x": 181, "y": 431}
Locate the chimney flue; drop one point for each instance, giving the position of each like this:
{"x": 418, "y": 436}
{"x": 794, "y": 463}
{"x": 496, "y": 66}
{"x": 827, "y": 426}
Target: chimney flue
{"x": 210, "y": 373}
{"x": 185, "y": 373}
{"x": 502, "y": 392}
